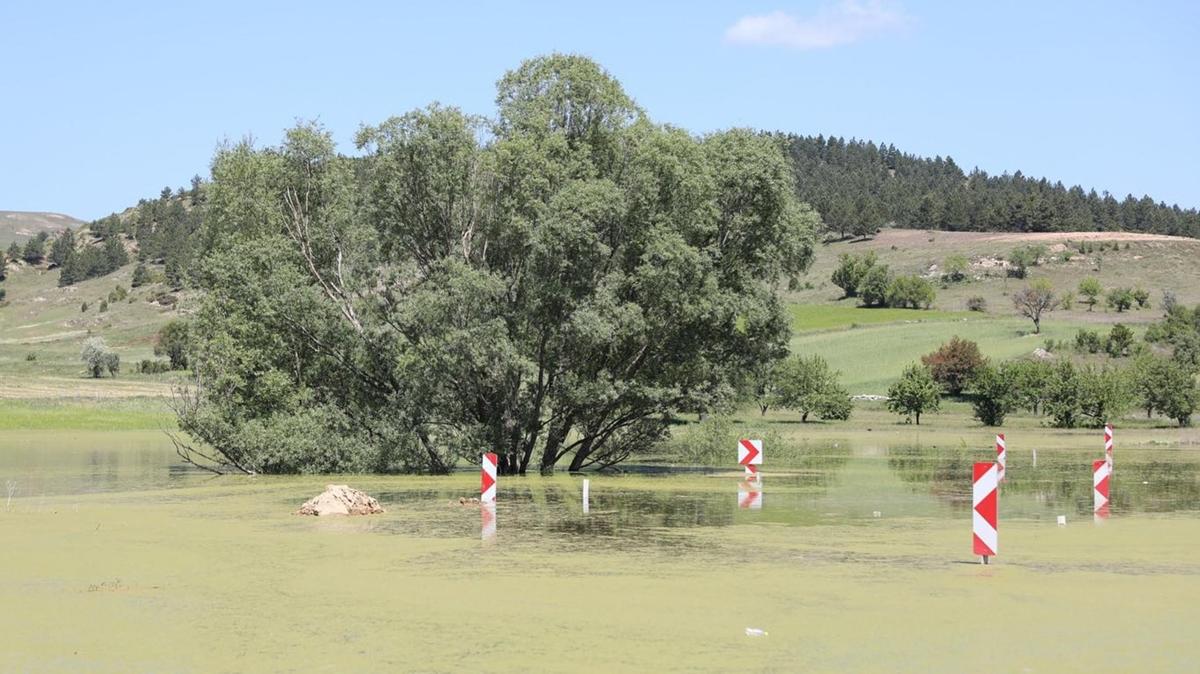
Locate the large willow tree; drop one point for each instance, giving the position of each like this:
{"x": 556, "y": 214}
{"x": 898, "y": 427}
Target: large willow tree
{"x": 551, "y": 285}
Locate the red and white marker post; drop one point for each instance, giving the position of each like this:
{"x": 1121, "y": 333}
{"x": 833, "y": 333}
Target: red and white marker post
{"x": 1001, "y": 456}
{"x": 487, "y": 478}
{"x": 750, "y": 456}
{"x": 750, "y": 495}
{"x": 1101, "y": 472}
{"x": 984, "y": 510}
{"x": 1108, "y": 446}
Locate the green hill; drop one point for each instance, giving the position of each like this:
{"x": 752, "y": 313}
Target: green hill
{"x": 21, "y": 226}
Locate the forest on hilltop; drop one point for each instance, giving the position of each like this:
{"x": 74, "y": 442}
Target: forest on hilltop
{"x": 859, "y": 186}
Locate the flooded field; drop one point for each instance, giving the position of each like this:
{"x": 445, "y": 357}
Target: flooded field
{"x": 852, "y": 557}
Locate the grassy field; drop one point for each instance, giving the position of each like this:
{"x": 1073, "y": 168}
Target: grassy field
{"x": 42, "y": 329}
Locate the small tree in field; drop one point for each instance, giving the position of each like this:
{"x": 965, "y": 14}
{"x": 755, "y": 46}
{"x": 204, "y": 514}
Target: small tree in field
{"x": 954, "y": 364}
{"x": 995, "y": 393}
{"x": 851, "y": 270}
{"x": 1034, "y": 300}
{"x": 1120, "y": 299}
{"x": 97, "y": 357}
{"x": 915, "y": 393}
{"x": 1090, "y": 290}
{"x": 809, "y": 386}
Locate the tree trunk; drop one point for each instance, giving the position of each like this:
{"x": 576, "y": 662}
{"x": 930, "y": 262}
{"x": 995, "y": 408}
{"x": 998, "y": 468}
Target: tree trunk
{"x": 1037, "y": 326}
{"x": 918, "y": 415}
{"x": 581, "y": 455}
{"x": 804, "y": 418}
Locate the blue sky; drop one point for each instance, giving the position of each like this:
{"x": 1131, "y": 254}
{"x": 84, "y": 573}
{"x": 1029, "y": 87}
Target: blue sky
{"x": 104, "y": 103}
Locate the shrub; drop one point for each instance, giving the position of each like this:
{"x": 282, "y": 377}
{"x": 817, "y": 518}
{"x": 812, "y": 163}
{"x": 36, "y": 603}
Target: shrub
{"x": 103, "y": 306}
{"x": 954, "y": 268}
{"x": 1087, "y": 341}
{"x": 1120, "y": 299}
{"x": 31, "y": 357}
{"x": 1142, "y": 297}
{"x": 954, "y": 364}
{"x": 874, "y": 287}
{"x": 154, "y": 366}
{"x": 914, "y": 394}
{"x": 996, "y": 393}
{"x": 1120, "y": 338}
{"x": 977, "y": 303}
{"x": 83, "y": 307}
{"x": 851, "y": 271}
{"x": 912, "y": 292}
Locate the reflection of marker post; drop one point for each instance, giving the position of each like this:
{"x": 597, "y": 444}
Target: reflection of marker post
{"x": 750, "y": 457}
{"x": 1100, "y": 483}
{"x": 487, "y": 478}
{"x": 487, "y": 521}
{"x": 1001, "y": 456}
{"x": 985, "y": 511}
{"x": 586, "y": 498}
{"x": 1108, "y": 446}
{"x": 750, "y": 495}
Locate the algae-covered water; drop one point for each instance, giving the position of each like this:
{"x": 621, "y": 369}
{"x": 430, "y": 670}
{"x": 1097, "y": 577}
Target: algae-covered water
{"x": 116, "y": 558}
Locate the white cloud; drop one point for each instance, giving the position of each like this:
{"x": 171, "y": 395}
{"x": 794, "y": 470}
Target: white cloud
{"x": 844, "y": 23}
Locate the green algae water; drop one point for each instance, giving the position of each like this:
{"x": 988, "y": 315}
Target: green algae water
{"x": 853, "y": 557}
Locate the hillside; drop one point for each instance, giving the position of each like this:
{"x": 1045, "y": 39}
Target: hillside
{"x": 21, "y": 226}
{"x": 871, "y": 346}
{"x": 42, "y": 329}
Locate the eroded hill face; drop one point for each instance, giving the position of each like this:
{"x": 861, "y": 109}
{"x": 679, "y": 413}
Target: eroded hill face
{"x": 21, "y": 226}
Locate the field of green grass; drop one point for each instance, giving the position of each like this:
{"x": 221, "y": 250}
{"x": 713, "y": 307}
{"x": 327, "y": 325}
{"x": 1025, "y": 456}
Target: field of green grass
{"x": 42, "y": 329}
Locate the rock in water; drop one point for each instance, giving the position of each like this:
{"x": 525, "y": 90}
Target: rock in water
{"x": 340, "y": 499}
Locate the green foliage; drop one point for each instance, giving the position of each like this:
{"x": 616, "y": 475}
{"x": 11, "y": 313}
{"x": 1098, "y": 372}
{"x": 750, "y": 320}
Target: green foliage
{"x": 141, "y": 276}
{"x": 173, "y": 341}
{"x": 1165, "y": 386}
{"x": 954, "y": 364}
{"x": 117, "y": 294}
{"x": 90, "y": 262}
{"x": 1024, "y": 257}
{"x": 851, "y": 271}
{"x": 1034, "y": 300}
{"x": 1031, "y": 383}
{"x": 1105, "y": 394}
{"x": 996, "y": 392}
{"x": 154, "y": 366}
{"x": 1088, "y": 341}
{"x": 63, "y": 245}
{"x": 14, "y": 251}
{"x": 977, "y": 303}
{"x": 35, "y": 249}
{"x": 954, "y": 268}
{"x": 852, "y": 182}
{"x": 1063, "y": 395}
{"x": 809, "y": 386}
{"x": 1142, "y": 297}
{"x": 1120, "y": 299}
{"x": 915, "y": 393}
{"x": 911, "y": 292}
{"x": 103, "y": 306}
{"x": 554, "y": 287}
{"x": 1120, "y": 339}
{"x": 1090, "y": 289}
{"x": 98, "y": 358}
{"x": 874, "y": 286}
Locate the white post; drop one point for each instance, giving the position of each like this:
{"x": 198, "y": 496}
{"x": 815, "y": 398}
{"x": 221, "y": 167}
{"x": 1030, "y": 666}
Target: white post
{"x": 586, "y": 499}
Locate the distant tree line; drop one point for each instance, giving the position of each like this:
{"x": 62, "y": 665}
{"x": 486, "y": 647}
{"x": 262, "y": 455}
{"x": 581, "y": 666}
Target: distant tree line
{"x": 859, "y": 186}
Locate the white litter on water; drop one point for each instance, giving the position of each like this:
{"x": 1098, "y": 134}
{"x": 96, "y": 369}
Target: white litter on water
{"x": 755, "y": 632}
{"x": 1062, "y": 520}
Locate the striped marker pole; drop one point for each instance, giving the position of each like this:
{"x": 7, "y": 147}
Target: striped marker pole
{"x": 750, "y": 457}
{"x": 1001, "y": 456}
{"x": 1100, "y": 481}
{"x": 487, "y": 478}
{"x": 1108, "y": 446}
{"x": 984, "y": 511}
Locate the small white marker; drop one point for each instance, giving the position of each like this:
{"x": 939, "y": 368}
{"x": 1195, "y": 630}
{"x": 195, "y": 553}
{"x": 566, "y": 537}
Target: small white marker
{"x": 876, "y": 514}
{"x": 1035, "y": 458}
{"x": 586, "y": 499}
{"x": 1062, "y": 520}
